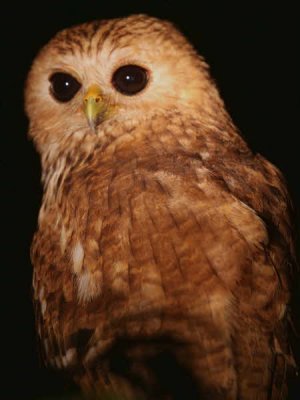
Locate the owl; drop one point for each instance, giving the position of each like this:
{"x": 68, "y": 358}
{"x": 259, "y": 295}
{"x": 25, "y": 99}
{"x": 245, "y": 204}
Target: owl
{"x": 164, "y": 251}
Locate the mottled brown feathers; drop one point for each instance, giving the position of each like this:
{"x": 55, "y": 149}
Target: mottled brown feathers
{"x": 119, "y": 32}
{"x": 163, "y": 243}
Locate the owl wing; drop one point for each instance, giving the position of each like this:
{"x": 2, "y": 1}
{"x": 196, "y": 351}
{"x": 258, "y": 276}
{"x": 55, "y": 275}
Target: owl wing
{"x": 261, "y": 186}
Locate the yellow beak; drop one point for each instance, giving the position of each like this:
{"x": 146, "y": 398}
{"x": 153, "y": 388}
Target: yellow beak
{"x": 94, "y": 106}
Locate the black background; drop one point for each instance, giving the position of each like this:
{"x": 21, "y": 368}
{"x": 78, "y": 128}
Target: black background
{"x": 251, "y": 49}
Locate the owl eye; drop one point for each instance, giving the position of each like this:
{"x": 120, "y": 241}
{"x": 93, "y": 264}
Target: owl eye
{"x": 63, "y": 86}
{"x": 130, "y": 79}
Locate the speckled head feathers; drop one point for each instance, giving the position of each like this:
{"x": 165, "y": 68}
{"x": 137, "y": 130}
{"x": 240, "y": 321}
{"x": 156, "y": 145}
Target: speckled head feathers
{"x": 93, "y": 51}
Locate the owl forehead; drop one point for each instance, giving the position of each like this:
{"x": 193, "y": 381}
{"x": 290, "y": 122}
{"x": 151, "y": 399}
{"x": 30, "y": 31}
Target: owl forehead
{"x": 90, "y": 38}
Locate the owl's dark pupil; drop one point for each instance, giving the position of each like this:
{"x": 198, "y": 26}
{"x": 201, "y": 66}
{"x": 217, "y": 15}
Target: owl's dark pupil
{"x": 130, "y": 79}
{"x": 63, "y": 86}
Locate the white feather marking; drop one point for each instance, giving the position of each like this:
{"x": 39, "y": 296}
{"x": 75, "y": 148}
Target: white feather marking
{"x": 99, "y": 348}
{"x": 205, "y": 155}
{"x": 41, "y": 215}
{"x": 77, "y": 257}
{"x": 69, "y": 357}
{"x": 89, "y": 285}
{"x": 91, "y": 354}
{"x": 41, "y": 293}
{"x": 282, "y": 310}
{"x": 43, "y": 306}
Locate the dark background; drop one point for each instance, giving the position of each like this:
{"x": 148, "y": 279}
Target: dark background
{"x": 252, "y": 53}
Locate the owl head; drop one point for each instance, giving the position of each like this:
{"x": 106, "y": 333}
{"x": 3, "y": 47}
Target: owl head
{"x": 113, "y": 70}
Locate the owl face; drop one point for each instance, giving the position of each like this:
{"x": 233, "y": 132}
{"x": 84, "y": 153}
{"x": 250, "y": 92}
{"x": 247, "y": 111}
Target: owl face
{"x": 122, "y": 69}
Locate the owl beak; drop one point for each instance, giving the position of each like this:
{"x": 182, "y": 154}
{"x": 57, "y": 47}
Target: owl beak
{"x": 94, "y": 106}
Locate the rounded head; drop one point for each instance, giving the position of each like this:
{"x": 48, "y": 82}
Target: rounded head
{"x": 126, "y": 68}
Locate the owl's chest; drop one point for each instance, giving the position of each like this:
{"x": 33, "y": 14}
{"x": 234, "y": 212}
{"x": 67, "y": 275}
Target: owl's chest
{"x": 138, "y": 229}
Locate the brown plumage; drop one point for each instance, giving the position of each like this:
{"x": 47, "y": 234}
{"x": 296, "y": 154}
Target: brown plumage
{"x": 164, "y": 245}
